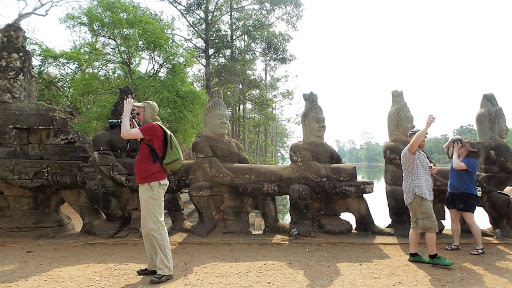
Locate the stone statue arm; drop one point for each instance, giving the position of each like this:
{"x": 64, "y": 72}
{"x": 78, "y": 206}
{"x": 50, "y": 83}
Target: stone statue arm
{"x": 304, "y": 166}
{"x": 211, "y": 169}
{"x": 242, "y": 158}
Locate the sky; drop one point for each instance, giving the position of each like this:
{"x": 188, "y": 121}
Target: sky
{"x": 443, "y": 55}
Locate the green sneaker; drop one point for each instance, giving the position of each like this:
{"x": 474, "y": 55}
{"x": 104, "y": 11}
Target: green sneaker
{"x": 160, "y": 278}
{"x": 418, "y": 258}
{"x": 440, "y": 261}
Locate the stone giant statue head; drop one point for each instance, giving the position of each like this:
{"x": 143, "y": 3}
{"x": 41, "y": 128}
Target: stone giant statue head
{"x": 491, "y": 123}
{"x": 400, "y": 120}
{"x": 216, "y": 116}
{"x": 312, "y": 119}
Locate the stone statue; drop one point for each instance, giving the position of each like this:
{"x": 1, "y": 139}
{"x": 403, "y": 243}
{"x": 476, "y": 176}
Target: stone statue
{"x": 215, "y": 192}
{"x": 400, "y": 122}
{"x": 17, "y": 83}
{"x": 314, "y": 204}
{"x": 495, "y": 169}
{"x": 43, "y": 160}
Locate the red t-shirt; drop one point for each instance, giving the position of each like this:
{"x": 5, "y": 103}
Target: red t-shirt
{"x": 145, "y": 170}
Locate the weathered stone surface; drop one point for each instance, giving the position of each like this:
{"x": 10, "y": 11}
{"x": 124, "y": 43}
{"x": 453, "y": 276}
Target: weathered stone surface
{"x": 7, "y": 170}
{"x": 30, "y": 169}
{"x": 8, "y": 117}
{"x": 4, "y": 203}
{"x": 31, "y": 136}
{"x": 17, "y": 84}
{"x": 9, "y": 190}
{"x": 8, "y": 136}
{"x": 17, "y": 203}
{"x": 37, "y": 120}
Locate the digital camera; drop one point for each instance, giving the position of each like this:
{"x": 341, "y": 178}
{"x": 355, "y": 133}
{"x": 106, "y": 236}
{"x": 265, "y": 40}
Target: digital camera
{"x": 457, "y": 140}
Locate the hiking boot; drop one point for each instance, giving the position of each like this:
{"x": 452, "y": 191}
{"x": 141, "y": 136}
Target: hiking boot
{"x": 418, "y": 258}
{"x": 440, "y": 261}
{"x": 160, "y": 278}
{"x": 145, "y": 271}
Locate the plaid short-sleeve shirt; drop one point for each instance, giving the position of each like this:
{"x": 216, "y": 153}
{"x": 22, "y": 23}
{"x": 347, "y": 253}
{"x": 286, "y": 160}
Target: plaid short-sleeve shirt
{"x": 417, "y": 177}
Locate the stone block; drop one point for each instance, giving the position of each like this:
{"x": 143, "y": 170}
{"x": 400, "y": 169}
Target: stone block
{"x": 9, "y": 136}
{"x": 6, "y": 169}
{"x": 10, "y": 190}
{"x": 30, "y": 169}
{"x": 17, "y": 203}
{"x": 8, "y": 151}
{"x": 4, "y": 203}
{"x": 41, "y": 120}
{"x": 29, "y": 183}
{"x": 64, "y": 136}
{"x": 65, "y": 152}
{"x": 34, "y": 152}
{"x": 64, "y": 166}
{"x": 38, "y": 136}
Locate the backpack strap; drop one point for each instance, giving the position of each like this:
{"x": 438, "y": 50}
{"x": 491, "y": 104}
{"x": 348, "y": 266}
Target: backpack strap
{"x": 152, "y": 151}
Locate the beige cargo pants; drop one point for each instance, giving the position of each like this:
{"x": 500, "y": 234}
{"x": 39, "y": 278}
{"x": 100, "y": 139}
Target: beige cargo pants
{"x": 154, "y": 233}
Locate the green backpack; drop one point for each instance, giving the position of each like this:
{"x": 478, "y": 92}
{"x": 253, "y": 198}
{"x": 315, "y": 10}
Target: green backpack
{"x": 171, "y": 159}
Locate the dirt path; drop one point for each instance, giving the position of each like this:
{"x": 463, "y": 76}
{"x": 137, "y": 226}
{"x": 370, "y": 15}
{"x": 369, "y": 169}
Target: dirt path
{"x": 250, "y": 261}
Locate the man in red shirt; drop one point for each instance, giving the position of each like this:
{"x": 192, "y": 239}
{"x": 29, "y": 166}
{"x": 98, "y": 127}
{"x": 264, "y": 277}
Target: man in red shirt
{"x": 152, "y": 180}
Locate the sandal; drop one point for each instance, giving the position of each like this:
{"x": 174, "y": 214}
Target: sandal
{"x": 453, "y": 247}
{"x": 477, "y": 251}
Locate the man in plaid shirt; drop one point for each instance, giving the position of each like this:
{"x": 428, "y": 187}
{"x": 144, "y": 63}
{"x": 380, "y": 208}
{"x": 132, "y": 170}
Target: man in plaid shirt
{"x": 418, "y": 195}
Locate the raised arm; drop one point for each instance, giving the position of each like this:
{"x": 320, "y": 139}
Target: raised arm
{"x": 420, "y": 136}
{"x": 127, "y": 132}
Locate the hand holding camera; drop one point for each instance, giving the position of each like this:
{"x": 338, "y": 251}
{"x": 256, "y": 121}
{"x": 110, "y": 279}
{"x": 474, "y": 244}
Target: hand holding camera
{"x": 456, "y": 143}
{"x": 127, "y": 110}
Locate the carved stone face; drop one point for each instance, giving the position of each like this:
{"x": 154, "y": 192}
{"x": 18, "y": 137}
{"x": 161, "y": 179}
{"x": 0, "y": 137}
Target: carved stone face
{"x": 406, "y": 124}
{"x": 217, "y": 123}
{"x": 502, "y": 129}
{"x": 315, "y": 127}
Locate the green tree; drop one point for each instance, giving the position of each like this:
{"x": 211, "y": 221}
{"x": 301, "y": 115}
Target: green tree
{"x": 121, "y": 43}
{"x": 232, "y": 38}
{"x": 467, "y": 132}
{"x": 435, "y": 151}
{"x": 508, "y": 140}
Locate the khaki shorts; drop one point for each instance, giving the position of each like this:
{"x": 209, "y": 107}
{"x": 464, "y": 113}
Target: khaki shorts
{"x": 422, "y": 215}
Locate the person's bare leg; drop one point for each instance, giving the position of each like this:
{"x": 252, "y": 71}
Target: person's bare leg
{"x": 430, "y": 238}
{"x": 414, "y": 240}
{"x": 455, "y": 218}
{"x": 475, "y": 230}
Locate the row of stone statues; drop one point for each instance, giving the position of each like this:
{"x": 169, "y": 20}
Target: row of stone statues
{"x": 45, "y": 163}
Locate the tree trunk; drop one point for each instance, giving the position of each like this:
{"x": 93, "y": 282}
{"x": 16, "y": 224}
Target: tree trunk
{"x": 207, "y": 56}
{"x": 244, "y": 117}
{"x": 257, "y": 152}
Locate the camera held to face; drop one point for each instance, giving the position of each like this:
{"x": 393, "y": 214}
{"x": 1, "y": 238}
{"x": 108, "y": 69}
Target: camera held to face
{"x": 113, "y": 124}
{"x": 456, "y": 140}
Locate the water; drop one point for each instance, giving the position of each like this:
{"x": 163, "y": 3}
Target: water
{"x": 377, "y": 201}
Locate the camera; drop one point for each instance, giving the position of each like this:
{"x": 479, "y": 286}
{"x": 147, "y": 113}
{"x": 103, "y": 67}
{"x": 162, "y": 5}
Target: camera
{"x": 456, "y": 140}
{"x": 117, "y": 123}
{"x": 114, "y": 123}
